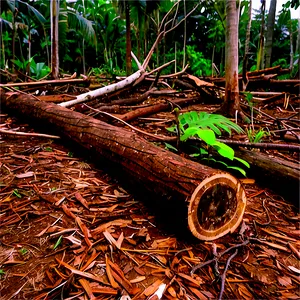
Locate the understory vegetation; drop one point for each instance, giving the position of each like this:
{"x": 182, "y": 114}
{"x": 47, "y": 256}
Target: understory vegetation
{"x": 92, "y": 36}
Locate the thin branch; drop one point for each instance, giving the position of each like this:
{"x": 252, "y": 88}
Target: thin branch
{"x": 29, "y": 134}
{"x": 223, "y": 277}
{"x": 137, "y": 61}
{"x": 158, "y": 138}
{"x": 161, "y": 67}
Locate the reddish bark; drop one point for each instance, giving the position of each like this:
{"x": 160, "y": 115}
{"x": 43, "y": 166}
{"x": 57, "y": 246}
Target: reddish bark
{"x": 216, "y": 200}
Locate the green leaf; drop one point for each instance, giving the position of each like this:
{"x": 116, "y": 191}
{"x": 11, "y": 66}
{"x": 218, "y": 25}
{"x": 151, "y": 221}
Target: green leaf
{"x": 58, "y": 242}
{"x": 16, "y": 193}
{"x": 238, "y": 169}
{"x": 23, "y": 251}
{"x": 170, "y": 147}
{"x": 224, "y": 150}
{"x": 242, "y": 161}
{"x": 207, "y": 136}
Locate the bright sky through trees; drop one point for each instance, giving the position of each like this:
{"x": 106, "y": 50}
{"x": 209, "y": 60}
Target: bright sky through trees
{"x": 256, "y": 4}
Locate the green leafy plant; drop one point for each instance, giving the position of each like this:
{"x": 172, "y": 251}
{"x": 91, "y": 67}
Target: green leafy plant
{"x": 199, "y": 65}
{"x": 255, "y": 136}
{"x": 2, "y": 272}
{"x": 206, "y": 126}
{"x": 39, "y": 70}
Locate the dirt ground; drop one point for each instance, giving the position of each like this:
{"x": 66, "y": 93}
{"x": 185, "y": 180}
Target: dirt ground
{"x": 70, "y": 231}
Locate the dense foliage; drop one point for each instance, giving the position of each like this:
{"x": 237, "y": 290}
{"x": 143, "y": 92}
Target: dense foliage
{"x": 25, "y": 35}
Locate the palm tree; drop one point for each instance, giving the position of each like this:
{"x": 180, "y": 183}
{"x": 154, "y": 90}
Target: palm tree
{"x": 22, "y": 16}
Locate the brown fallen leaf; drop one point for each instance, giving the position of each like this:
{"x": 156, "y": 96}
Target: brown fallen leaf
{"x": 109, "y": 274}
{"x": 81, "y": 200}
{"x": 85, "y": 231}
{"x": 138, "y": 279}
{"x": 190, "y": 280}
{"x": 103, "y": 227}
{"x": 284, "y": 281}
{"x": 68, "y": 212}
{"x": 151, "y": 289}
{"x": 86, "y": 286}
{"x": 172, "y": 292}
{"x": 83, "y": 274}
{"x": 198, "y": 293}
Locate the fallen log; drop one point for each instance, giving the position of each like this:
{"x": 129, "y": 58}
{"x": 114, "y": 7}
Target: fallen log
{"x": 278, "y": 174}
{"x": 215, "y": 200}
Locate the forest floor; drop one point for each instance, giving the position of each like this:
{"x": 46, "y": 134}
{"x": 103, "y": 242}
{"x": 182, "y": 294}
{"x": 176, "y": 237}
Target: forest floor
{"x": 71, "y": 231}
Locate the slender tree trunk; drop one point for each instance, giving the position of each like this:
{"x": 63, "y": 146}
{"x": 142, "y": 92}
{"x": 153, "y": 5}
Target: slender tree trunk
{"x": 270, "y": 31}
{"x": 14, "y": 33}
{"x": 184, "y": 35}
{"x": 231, "y": 101}
{"x": 54, "y": 15}
{"x": 260, "y": 61}
{"x": 29, "y": 52}
{"x": 83, "y": 57}
{"x": 212, "y": 61}
{"x": 46, "y": 47}
{"x": 128, "y": 40}
{"x": 246, "y": 54}
{"x": 297, "y": 50}
{"x": 2, "y": 50}
{"x": 291, "y": 46}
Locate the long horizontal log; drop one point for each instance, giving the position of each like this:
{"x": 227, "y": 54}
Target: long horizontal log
{"x": 278, "y": 174}
{"x": 215, "y": 200}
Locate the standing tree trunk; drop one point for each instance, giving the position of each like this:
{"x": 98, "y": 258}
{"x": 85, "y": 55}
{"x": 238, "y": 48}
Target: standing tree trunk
{"x": 260, "y": 61}
{"x": 231, "y": 102}
{"x": 297, "y": 50}
{"x": 269, "y": 34}
{"x": 291, "y": 45}
{"x": 245, "y": 58}
{"x": 54, "y": 15}
{"x": 128, "y": 40}
{"x": 184, "y": 35}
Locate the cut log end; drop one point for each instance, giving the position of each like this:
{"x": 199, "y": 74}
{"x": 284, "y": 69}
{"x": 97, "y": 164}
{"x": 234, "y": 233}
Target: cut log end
{"x": 216, "y": 207}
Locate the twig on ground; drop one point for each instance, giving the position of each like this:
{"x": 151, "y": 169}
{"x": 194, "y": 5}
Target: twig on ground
{"x": 223, "y": 277}
{"x": 29, "y": 134}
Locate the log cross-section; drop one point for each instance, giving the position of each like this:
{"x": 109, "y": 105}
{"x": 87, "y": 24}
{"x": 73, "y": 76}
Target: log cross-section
{"x": 215, "y": 200}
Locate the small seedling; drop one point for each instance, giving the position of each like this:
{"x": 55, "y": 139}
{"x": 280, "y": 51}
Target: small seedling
{"x": 2, "y": 272}
{"x": 58, "y": 242}
{"x": 255, "y": 136}
{"x": 70, "y": 154}
{"x": 16, "y": 193}
{"x": 49, "y": 149}
{"x": 23, "y": 251}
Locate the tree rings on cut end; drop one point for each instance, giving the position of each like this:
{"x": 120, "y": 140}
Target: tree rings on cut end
{"x": 216, "y": 207}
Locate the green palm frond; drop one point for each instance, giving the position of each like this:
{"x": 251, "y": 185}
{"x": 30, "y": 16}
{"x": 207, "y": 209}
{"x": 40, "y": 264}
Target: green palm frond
{"x": 5, "y": 25}
{"x": 28, "y": 9}
{"x": 79, "y": 23}
{"x": 203, "y": 120}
